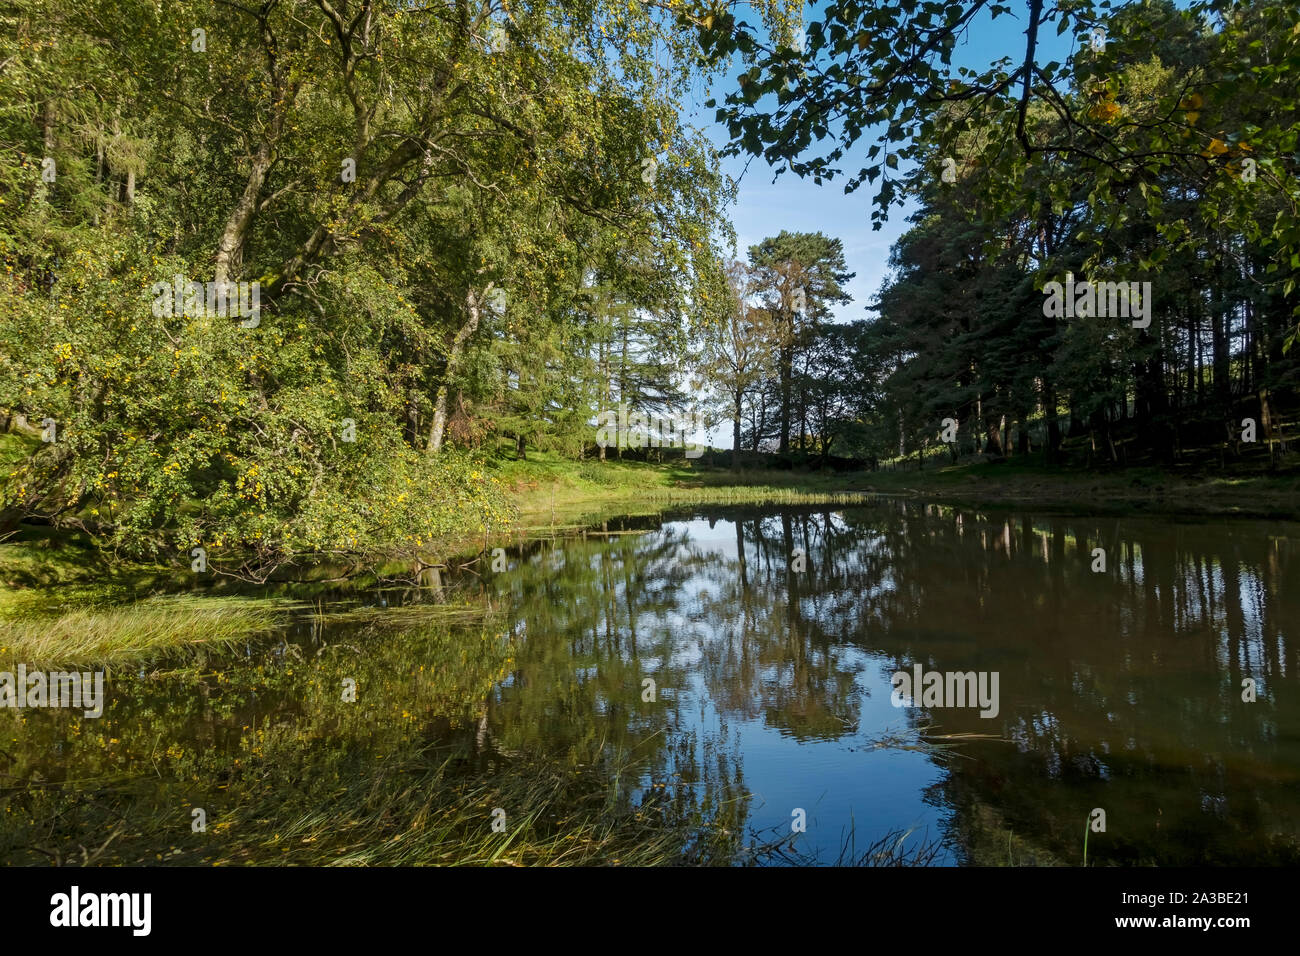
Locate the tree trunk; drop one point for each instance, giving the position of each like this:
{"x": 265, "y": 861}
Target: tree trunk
{"x": 47, "y": 144}
{"x": 735, "y": 432}
{"x": 1266, "y": 426}
{"x": 786, "y": 362}
{"x": 993, "y": 436}
{"x": 1052, "y": 446}
{"x": 230, "y": 249}
{"x": 439, "y": 426}
{"x": 1220, "y": 333}
{"x": 604, "y": 377}
{"x": 412, "y": 426}
{"x": 803, "y": 413}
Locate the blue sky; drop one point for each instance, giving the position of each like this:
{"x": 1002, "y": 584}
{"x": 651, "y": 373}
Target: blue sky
{"x": 765, "y": 207}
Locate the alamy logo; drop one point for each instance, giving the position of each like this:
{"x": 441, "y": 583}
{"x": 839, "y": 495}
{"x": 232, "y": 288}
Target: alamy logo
{"x": 1099, "y": 299}
{"x": 946, "y": 689}
{"x": 55, "y": 689}
{"x": 638, "y": 430}
{"x": 103, "y": 909}
{"x": 208, "y": 299}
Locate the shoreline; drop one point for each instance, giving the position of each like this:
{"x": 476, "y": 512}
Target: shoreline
{"x": 1133, "y": 491}
{"x": 550, "y": 495}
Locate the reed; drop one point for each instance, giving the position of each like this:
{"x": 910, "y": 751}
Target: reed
{"x": 95, "y": 635}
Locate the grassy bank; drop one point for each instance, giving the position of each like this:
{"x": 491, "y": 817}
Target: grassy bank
{"x": 551, "y": 491}
{"x": 46, "y": 569}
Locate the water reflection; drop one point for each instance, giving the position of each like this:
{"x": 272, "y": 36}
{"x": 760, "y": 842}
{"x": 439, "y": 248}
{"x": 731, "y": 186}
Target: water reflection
{"x": 1121, "y": 688}
{"x": 684, "y": 673}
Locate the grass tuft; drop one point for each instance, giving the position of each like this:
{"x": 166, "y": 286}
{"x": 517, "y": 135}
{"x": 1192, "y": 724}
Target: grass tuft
{"x": 111, "y": 634}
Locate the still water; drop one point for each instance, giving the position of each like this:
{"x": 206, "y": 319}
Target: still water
{"x": 732, "y": 667}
